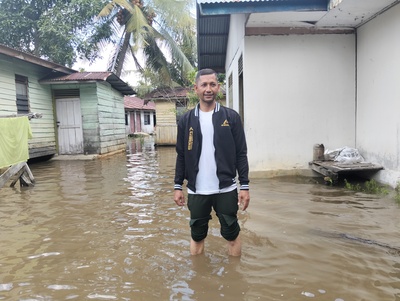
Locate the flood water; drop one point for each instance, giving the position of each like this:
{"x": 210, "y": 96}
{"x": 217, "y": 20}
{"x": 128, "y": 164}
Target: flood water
{"x": 108, "y": 229}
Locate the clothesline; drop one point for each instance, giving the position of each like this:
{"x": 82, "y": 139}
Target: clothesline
{"x": 30, "y": 115}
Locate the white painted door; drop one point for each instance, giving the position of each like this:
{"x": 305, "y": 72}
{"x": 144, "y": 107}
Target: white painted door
{"x": 69, "y": 124}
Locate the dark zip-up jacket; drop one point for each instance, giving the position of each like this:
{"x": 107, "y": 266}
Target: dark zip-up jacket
{"x": 230, "y": 148}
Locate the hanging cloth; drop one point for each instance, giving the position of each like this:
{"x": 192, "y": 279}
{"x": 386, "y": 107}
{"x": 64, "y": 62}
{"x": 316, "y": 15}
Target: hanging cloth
{"x": 14, "y": 135}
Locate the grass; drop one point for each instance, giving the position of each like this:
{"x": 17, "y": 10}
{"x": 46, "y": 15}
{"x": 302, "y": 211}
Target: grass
{"x": 371, "y": 187}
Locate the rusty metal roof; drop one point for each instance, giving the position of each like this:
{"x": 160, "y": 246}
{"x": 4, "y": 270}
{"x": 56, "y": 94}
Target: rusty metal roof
{"x": 107, "y": 76}
{"x": 168, "y": 93}
{"x": 134, "y": 102}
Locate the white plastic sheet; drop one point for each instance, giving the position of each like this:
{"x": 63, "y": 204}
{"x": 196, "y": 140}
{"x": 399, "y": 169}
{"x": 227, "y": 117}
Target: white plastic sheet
{"x": 345, "y": 155}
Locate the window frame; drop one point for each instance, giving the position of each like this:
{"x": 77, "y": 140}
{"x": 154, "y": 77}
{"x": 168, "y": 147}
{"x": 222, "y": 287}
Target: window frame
{"x": 22, "y": 100}
{"x": 146, "y": 118}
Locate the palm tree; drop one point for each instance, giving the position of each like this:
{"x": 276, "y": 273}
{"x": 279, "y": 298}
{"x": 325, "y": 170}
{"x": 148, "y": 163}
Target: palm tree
{"x": 160, "y": 31}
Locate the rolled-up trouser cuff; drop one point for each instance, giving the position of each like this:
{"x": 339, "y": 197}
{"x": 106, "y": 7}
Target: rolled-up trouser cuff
{"x": 199, "y": 228}
{"x": 229, "y": 226}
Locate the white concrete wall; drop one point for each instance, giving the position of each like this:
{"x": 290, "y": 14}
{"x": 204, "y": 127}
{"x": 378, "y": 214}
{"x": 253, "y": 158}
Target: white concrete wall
{"x": 298, "y": 90}
{"x": 378, "y": 90}
{"x": 234, "y": 50}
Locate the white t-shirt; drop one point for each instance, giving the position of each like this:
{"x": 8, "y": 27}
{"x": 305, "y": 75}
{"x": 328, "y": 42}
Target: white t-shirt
{"x": 207, "y": 181}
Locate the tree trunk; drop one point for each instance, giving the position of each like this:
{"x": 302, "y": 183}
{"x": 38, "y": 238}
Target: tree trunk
{"x": 122, "y": 54}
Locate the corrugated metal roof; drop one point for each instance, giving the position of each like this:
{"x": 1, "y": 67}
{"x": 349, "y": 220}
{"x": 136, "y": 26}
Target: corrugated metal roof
{"x": 168, "y": 93}
{"x": 240, "y": 7}
{"x": 107, "y": 76}
{"x": 212, "y": 40}
{"x": 133, "y": 102}
{"x": 224, "y": 1}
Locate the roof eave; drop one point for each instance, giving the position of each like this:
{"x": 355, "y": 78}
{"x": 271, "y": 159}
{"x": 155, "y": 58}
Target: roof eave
{"x": 244, "y": 7}
{"x": 220, "y": 56}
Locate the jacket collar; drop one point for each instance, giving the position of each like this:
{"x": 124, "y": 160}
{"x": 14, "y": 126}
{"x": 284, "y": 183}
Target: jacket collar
{"x": 197, "y": 109}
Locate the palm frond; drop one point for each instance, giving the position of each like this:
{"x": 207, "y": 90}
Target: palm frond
{"x": 107, "y": 10}
{"x": 138, "y": 25}
{"x": 176, "y": 51}
{"x": 123, "y": 3}
{"x": 156, "y": 61}
{"x": 136, "y": 60}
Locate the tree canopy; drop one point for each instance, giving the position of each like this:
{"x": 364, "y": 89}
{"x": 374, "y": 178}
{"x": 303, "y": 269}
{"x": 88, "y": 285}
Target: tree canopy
{"x": 159, "y": 35}
{"x": 162, "y": 31}
{"x": 57, "y": 30}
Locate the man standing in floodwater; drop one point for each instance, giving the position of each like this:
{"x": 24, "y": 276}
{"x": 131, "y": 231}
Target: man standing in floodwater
{"x": 211, "y": 149}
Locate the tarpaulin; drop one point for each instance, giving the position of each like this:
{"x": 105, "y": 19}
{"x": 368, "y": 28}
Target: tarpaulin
{"x": 14, "y": 135}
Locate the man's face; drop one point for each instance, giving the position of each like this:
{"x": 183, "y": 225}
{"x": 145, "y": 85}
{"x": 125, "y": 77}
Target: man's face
{"x": 207, "y": 88}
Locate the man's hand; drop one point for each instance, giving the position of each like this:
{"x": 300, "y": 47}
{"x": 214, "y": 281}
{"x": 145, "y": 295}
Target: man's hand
{"x": 244, "y": 199}
{"x": 179, "y": 198}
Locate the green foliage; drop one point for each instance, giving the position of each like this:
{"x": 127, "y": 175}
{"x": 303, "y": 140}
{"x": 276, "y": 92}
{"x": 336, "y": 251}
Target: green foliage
{"x": 161, "y": 37}
{"x": 148, "y": 82}
{"x": 374, "y": 188}
{"x": 371, "y": 187}
{"x": 57, "y": 30}
{"x": 354, "y": 187}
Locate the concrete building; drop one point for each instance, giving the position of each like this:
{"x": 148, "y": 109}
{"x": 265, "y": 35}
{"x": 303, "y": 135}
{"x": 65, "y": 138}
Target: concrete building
{"x": 306, "y": 72}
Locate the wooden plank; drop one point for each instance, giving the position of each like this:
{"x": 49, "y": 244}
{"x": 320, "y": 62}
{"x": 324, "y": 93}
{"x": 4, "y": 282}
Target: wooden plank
{"x": 342, "y": 167}
{"x": 25, "y": 180}
{"x": 325, "y": 171}
{"x": 334, "y": 169}
{"x": 21, "y": 171}
{"x": 11, "y": 171}
{"x": 29, "y": 174}
{"x": 23, "y": 177}
{"x": 18, "y": 177}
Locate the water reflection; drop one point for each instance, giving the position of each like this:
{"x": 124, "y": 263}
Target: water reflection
{"x": 108, "y": 229}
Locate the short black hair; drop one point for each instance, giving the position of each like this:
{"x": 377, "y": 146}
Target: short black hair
{"x": 206, "y": 71}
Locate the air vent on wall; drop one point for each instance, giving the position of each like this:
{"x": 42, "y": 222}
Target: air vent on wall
{"x": 66, "y": 93}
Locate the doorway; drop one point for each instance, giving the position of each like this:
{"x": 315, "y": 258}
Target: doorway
{"x": 69, "y": 126}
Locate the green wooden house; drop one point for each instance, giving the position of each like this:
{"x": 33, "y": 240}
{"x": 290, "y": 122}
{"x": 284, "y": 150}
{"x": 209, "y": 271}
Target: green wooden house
{"x": 81, "y": 112}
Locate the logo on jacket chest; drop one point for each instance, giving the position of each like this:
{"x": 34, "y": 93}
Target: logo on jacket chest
{"x": 225, "y": 123}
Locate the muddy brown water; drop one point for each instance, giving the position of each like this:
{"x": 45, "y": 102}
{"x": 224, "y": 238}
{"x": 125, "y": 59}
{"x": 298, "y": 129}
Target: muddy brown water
{"x": 108, "y": 229}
